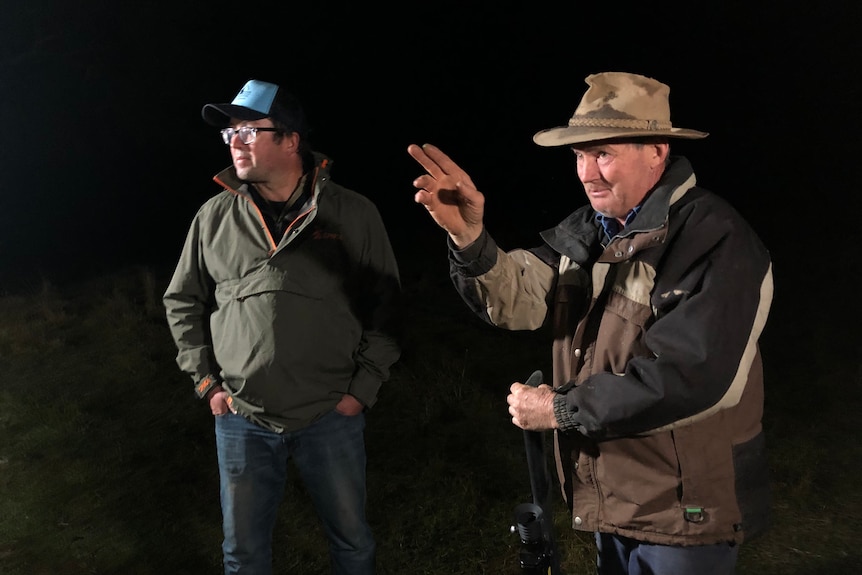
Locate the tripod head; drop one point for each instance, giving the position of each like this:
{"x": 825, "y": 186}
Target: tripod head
{"x": 536, "y": 550}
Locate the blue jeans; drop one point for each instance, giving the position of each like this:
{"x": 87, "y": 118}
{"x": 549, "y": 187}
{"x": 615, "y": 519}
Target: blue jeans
{"x": 624, "y": 556}
{"x": 330, "y": 457}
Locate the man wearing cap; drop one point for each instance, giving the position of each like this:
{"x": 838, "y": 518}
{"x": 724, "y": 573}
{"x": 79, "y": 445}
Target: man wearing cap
{"x": 656, "y": 294}
{"x": 284, "y": 307}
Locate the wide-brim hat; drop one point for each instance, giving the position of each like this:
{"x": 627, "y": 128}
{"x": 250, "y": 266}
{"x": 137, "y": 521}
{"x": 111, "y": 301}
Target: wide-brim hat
{"x": 618, "y": 105}
{"x": 257, "y": 100}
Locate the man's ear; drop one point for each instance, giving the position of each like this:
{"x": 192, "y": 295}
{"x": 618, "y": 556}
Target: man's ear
{"x": 662, "y": 150}
{"x": 292, "y": 140}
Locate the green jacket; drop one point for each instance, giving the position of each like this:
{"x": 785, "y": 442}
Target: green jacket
{"x": 287, "y": 325}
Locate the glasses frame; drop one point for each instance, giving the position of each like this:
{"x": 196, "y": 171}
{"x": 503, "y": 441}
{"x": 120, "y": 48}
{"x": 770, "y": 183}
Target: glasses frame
{"x": 227, "y": 134}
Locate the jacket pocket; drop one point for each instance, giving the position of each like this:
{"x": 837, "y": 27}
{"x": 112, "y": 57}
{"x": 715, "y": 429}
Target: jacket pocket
{"x": 306, "y": 285}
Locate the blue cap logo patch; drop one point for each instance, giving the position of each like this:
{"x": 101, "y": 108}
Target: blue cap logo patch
{"x": 256, "y": 95}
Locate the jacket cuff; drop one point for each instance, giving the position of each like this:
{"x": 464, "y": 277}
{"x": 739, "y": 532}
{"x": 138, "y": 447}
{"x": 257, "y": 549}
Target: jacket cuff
{"x": 564, "y": 417}
{"x": 205, "y": 385}
{"x": 477, "y": 258}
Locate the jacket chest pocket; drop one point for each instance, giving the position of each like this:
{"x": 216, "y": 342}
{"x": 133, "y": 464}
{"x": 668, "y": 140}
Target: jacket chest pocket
{"x": 614, "y": 328}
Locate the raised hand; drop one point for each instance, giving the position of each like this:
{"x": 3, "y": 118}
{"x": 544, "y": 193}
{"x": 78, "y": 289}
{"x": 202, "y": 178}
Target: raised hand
{"x": 449, "y": 195}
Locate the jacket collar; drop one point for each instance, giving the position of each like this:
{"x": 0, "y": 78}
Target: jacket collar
{"x": 579, "y": 235}
{"x": 228, "y": 179}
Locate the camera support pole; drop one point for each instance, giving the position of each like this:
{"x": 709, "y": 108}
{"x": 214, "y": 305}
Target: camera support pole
{"x": 533, "y": 521}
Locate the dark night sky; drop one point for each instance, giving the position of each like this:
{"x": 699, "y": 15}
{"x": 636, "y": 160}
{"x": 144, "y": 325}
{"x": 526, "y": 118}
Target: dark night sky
{"x": 106, "y": 158}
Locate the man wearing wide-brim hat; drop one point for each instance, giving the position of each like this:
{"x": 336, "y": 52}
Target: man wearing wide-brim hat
{"x": 656, "y": 295}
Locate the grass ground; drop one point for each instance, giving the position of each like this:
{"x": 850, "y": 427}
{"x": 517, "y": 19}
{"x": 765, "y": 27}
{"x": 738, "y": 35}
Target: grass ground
{"x": 108, "y": 464}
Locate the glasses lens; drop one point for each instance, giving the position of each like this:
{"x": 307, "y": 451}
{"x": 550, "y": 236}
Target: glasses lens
{"x": 247, "y": 134}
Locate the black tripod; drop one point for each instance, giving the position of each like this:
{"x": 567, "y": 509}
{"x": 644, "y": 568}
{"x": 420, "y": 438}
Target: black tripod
{"x": 533, "y": 522}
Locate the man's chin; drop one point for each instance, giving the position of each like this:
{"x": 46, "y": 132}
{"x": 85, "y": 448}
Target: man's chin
{"x": 600, "y": 209}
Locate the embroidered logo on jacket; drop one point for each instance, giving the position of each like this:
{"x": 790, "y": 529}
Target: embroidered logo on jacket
{"x": 319, "y": 234}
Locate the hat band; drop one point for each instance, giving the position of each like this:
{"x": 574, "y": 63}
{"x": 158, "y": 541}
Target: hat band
{"x": 649, "y": 125}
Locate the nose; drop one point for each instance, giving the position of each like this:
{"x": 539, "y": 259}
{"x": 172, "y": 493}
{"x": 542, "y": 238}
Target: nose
{"x": 588, "y": 169}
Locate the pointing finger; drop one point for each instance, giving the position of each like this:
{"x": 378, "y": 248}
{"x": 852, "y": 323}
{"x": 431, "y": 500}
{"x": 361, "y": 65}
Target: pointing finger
{"x": 418, "y": 153}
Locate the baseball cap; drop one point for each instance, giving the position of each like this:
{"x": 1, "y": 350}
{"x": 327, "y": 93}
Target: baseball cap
{"x": 256, "y": 100}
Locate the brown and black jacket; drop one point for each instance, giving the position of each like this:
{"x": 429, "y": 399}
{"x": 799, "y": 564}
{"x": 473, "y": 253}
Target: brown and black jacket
{"x": 655, "y": 358}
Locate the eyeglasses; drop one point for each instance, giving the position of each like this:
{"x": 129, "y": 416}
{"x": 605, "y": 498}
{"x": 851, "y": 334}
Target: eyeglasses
{"x": 247, "y": 134}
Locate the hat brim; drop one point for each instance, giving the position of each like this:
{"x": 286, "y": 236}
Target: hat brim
{"x": 567, "y": 135}
{"x": 219, "y": 115}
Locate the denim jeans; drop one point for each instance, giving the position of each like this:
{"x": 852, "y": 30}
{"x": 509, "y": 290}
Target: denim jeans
{"x": 330, "y": 458}
{"x": 624, "y": 556}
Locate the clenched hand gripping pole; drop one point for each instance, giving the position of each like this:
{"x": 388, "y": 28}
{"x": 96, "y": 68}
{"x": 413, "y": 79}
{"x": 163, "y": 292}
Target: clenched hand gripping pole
{"x": 533, "y": 521}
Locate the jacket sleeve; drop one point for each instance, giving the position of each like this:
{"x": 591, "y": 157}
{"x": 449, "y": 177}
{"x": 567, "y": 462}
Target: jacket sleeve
{"x": 510, "y": 290}
{"x": 710, "y": 303}
{"x": 188, "y": 300}
{"x": 381, "y": 308}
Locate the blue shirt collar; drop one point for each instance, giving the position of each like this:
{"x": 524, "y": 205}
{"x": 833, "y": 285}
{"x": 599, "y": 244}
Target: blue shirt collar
{"x": 612, "y": 226}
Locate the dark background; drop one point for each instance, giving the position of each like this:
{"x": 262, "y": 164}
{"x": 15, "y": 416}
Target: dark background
{"x": 105, "y": 157}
